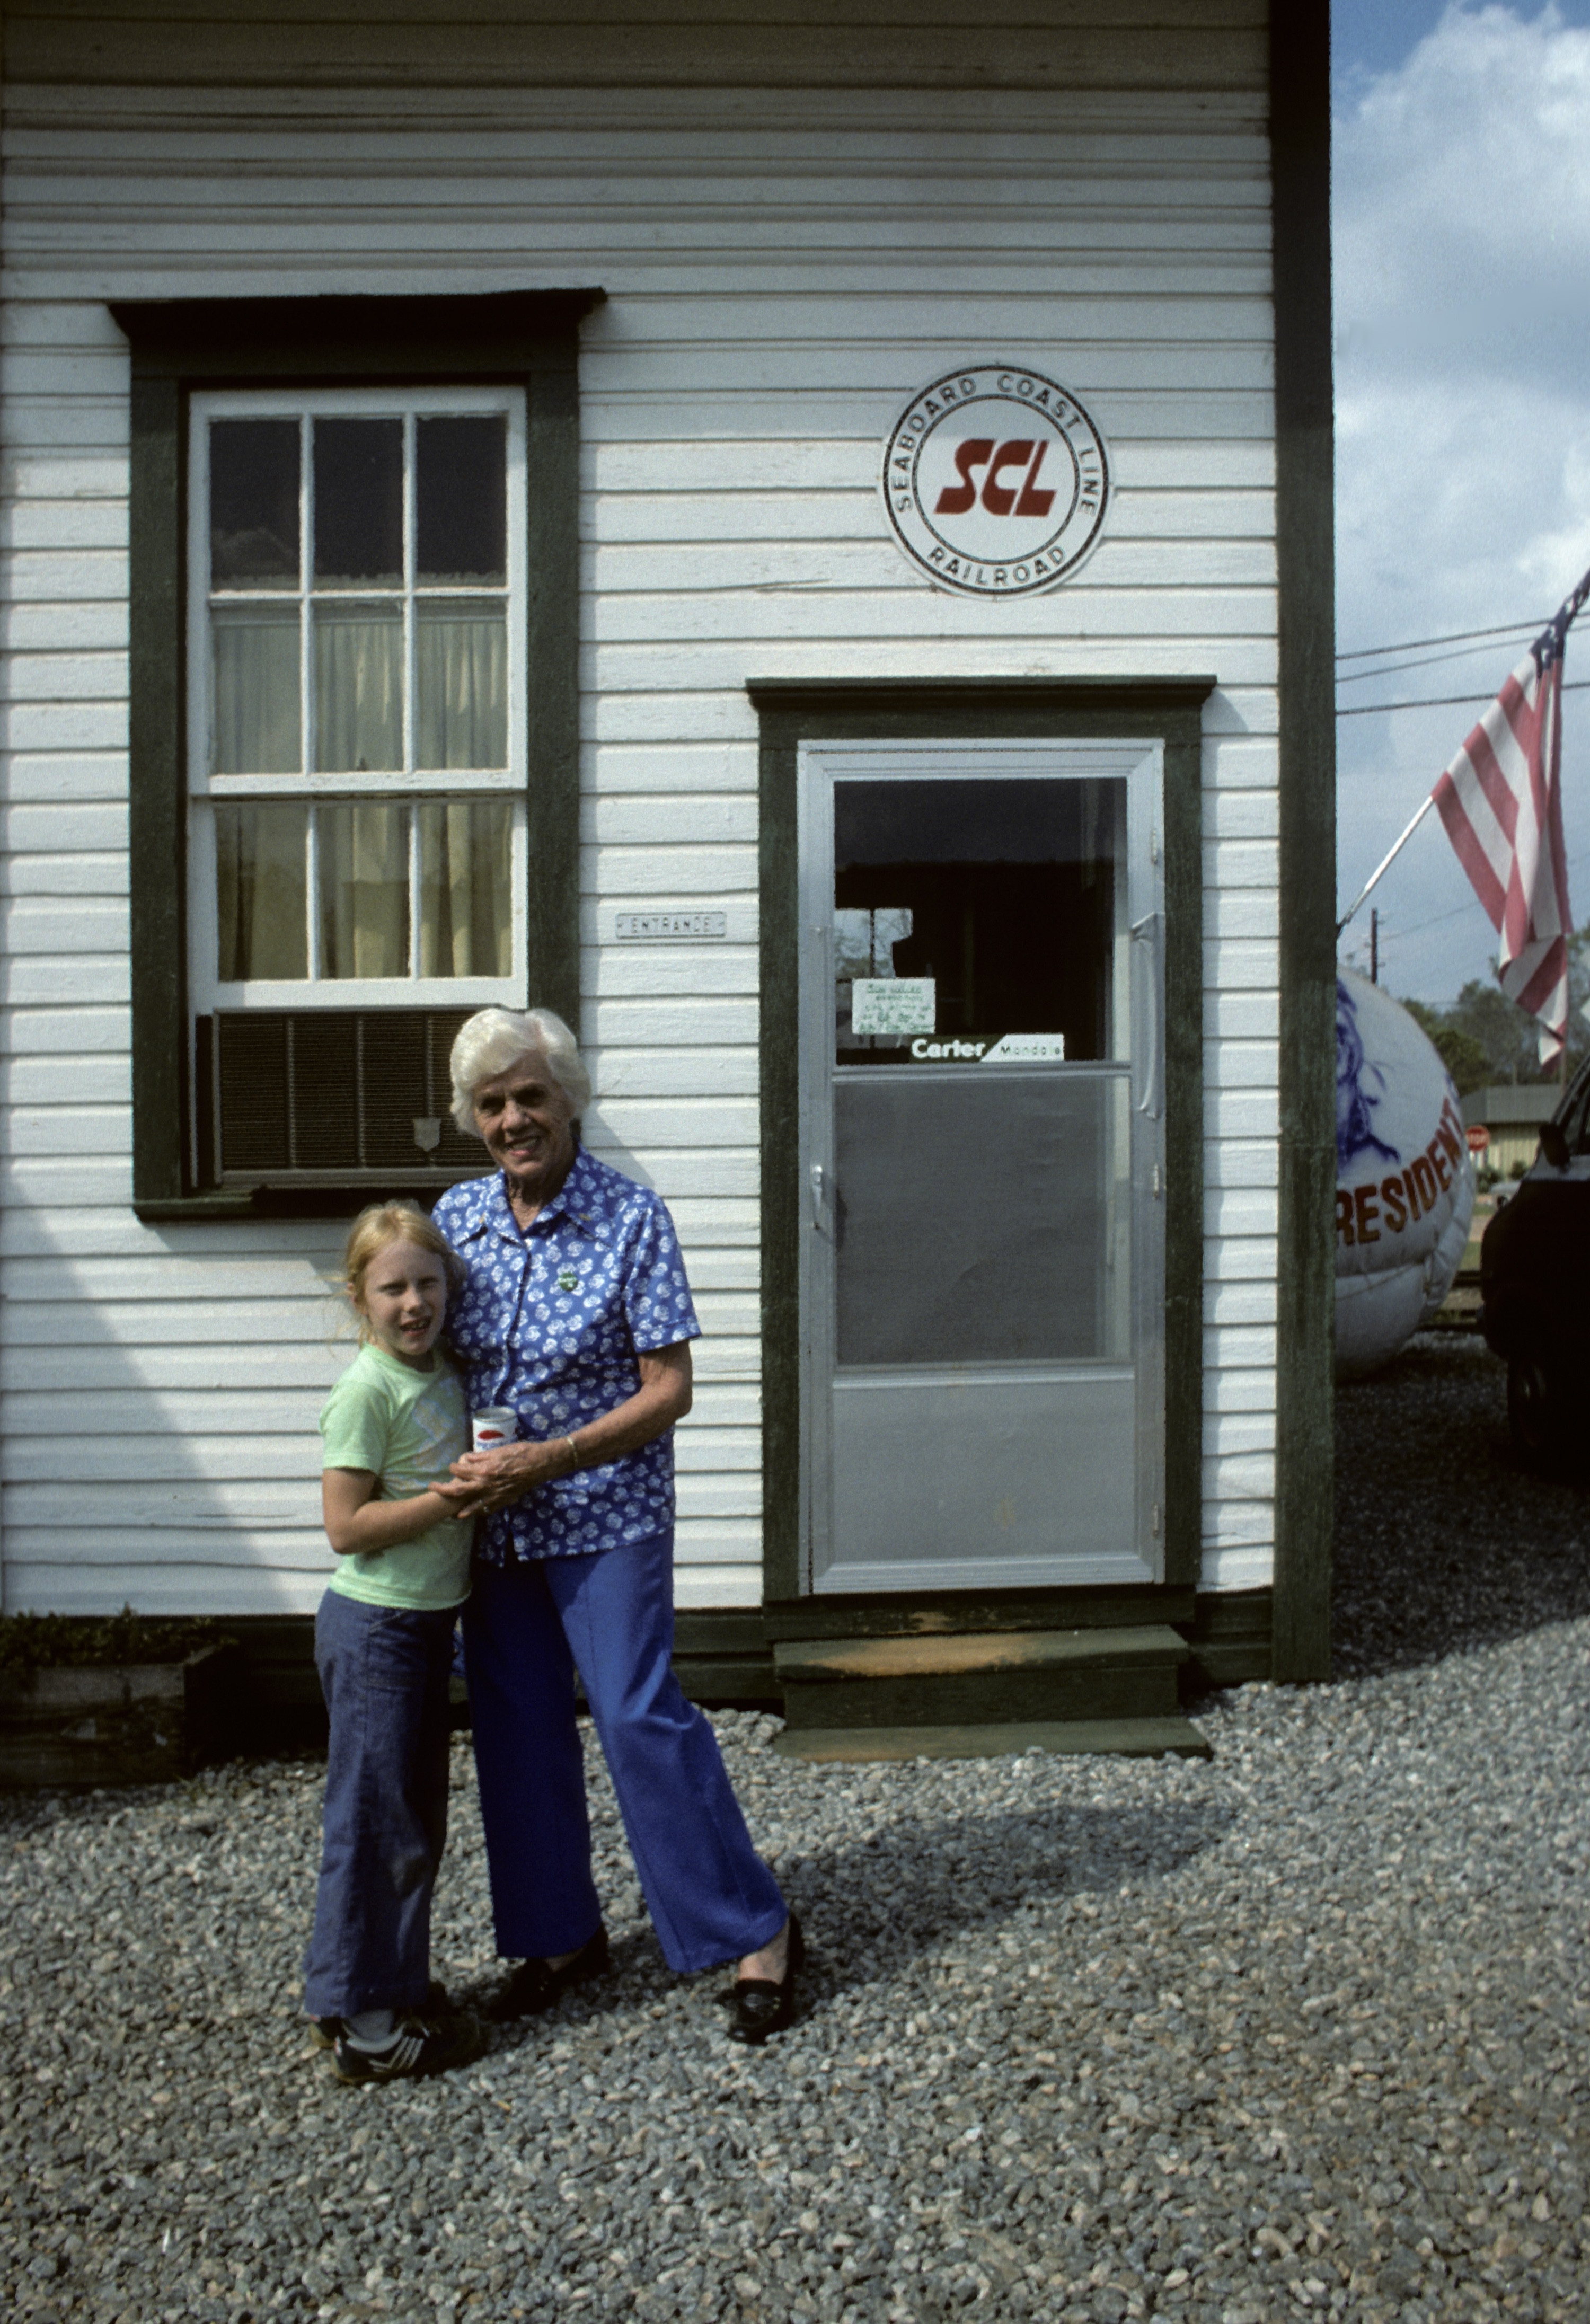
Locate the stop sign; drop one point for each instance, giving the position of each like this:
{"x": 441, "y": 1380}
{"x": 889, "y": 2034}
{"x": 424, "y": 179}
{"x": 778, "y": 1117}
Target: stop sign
{"x": 1478, "y": 1136}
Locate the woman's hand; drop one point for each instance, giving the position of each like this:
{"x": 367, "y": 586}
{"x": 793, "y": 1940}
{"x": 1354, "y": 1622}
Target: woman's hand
{"x": 485, "y": 1482}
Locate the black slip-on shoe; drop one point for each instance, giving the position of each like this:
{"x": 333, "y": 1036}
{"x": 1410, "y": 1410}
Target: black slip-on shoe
{"x": 764, "y": 2006}
{"x": 419, "y": 2045}
{"x": 535, "y": 1984}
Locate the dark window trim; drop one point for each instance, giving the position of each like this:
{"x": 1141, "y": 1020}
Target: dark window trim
{"x": 521, "y": 338}
{"x": 1299, "y": 147}
{"x": 795, "y": 711}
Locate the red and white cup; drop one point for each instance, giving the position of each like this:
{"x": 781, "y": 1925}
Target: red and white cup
{"x": 496, "y": 1427}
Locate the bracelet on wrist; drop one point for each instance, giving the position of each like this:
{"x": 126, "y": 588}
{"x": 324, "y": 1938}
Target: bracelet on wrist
{"x": 573, "y": 1454}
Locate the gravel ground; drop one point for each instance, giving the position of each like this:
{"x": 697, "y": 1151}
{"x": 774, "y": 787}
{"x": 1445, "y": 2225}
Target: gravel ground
{"x": 1302, "y": 2028}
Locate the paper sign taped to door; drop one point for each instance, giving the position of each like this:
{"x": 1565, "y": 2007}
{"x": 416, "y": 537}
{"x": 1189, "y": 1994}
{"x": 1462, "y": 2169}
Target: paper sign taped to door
{"x": 891, "y": 1004}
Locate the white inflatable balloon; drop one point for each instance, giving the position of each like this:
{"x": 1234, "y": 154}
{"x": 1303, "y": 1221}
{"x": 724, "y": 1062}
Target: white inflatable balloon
{"x": 1405, "y": 1180}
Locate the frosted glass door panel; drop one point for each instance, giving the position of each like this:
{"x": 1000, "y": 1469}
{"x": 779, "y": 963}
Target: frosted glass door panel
{"x": 981, "y": 1216}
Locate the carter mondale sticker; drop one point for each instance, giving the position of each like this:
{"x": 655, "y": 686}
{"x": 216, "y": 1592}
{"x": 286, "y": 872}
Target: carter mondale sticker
{"x": 996, "y": 482}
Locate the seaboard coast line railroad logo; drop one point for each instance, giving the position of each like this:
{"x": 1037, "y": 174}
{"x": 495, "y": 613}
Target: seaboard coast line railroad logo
{"x": 996, "y": 481}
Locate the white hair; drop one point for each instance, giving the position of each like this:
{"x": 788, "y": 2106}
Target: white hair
{"x": 493, "y": 1041}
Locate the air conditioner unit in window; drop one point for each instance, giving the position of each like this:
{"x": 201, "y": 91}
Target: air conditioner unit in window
{"x": 336, "y": 1097}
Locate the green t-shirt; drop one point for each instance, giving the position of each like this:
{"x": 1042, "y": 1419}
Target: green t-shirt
{"x": 405, "y": 1426}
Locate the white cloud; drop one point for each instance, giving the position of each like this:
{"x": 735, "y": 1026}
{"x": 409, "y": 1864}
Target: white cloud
{"x": 1463, "y": 415}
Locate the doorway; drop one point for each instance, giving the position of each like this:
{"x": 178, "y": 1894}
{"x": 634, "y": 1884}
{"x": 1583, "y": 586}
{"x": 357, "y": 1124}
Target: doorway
{"x": 982, "y": 1107}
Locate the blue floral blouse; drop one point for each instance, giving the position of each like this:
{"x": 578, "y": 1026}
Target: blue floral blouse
{"x": 550, "y": 1322}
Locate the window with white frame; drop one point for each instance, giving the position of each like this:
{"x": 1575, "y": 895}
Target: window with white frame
{"x": 357, "y": 700}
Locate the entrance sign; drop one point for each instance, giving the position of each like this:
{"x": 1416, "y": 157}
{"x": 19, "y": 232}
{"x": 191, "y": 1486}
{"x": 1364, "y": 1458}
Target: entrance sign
{"x": 669, "y": 928}
{"x": 996, "y": 481}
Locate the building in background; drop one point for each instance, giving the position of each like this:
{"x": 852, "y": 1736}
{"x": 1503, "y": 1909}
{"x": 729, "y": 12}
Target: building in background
{"x": 1511, "y": 1114}
{"x": 804, "y": 543}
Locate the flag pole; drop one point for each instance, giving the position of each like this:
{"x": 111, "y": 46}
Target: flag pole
{"x": 1386, "y": 861}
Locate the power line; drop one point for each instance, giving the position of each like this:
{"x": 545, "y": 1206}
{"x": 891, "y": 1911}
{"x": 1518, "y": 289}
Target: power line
{"x": 1401, "y": 936}
{"x": 1443, "y": 701}
{"x": 1453, "y": 638}
{"x": 1420, "y": 661}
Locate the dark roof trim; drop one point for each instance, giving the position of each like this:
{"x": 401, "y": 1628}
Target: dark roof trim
{"x": 349, "y": 335}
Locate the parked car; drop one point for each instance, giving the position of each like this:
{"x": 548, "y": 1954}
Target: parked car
{"x": 1535, "y": 1280}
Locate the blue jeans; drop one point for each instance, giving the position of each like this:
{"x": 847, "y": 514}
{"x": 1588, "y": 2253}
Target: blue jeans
{"x": 384, "y": 1672}
{"x": 526, "y": 1628}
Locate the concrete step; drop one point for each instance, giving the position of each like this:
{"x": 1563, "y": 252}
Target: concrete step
{"x": 979, "y": 1679}
{"x": 1137, "y": 1738}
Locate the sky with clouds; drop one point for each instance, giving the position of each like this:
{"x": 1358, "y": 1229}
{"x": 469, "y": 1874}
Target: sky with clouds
{"x": 1462, "y": 297}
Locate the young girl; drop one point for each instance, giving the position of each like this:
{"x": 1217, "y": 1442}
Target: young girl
{"x": 383, "y": 1647}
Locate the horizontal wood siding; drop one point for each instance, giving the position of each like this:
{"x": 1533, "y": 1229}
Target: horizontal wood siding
{"x": 779, "y": 283}
{"x": 1016, "y": 44}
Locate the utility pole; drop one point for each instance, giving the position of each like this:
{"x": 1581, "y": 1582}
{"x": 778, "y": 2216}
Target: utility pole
{"x": 1375, "y": 947}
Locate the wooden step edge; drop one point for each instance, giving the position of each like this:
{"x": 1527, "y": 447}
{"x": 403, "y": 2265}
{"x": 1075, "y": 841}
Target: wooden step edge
{"x": 1134, "y": 1739}
{"x": 829, "y": 1661}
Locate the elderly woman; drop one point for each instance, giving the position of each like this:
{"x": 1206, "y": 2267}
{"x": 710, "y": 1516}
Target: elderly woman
{"x": 577, "y": 1315}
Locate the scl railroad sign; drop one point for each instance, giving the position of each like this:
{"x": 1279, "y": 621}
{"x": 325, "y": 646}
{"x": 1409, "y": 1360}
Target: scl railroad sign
{"x": 996, "y": 481}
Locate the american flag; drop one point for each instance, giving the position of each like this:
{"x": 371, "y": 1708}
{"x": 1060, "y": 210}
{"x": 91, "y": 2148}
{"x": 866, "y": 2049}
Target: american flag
{"x": 1501, "y": 801}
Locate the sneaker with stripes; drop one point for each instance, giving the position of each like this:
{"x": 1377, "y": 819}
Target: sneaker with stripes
{"x": 419, "y": 2045}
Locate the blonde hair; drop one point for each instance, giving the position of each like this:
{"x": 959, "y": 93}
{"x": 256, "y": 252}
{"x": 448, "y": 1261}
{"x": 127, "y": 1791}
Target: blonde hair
{"x": 494, "y": 1039}
{"x": 369, "y": 1235}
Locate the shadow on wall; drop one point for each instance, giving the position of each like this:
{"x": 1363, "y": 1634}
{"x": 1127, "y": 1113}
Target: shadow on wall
{"x": 1442, "y": 1544}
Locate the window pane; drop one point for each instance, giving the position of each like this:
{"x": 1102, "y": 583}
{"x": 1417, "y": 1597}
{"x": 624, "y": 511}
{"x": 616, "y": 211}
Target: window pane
{"x": 255, "y": 706}
{"x": 461, "y": 677}
{"x": 465, "y": 888}
{"x": 363, "y": 888}
{"x": 358, "y": 688}
{"x": 254, "y": 503}
{"x": 358, "y": 502}
{"x": 260, "y": 883}
{"x": 462, "y": 502}
{"x": 1002, "y": 896}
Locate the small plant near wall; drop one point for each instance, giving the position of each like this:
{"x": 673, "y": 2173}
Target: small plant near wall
{"x": 121, "y": 1699}
{"x": 34, "y": 1642}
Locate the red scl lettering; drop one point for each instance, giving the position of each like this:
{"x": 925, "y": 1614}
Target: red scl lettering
{"x": 1033, "y": 502}
{"x": 1396, "y": 1208}
{"x": 1421, "y": 1176}
{"x": 1344, "y": 1214}
{"x": 999, "y": 499}
{"x": 970, "y": 453}
{"x": 1365, "y": 1212}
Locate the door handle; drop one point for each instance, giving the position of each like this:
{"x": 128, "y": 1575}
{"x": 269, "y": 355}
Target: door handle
{"x": 1147, "y": 931}
{"x": 817, "y": 1182}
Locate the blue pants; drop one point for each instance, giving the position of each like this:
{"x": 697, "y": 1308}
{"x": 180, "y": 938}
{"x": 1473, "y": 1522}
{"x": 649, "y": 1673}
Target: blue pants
{"x": 527, "y": 1626}
{"x": 384, "y": 1672}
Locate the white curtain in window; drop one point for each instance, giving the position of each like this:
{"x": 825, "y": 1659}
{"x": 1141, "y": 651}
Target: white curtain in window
{"x": 261, "y": 882}
{"x": 358, "y": 688}
{"x": 461, "y": 680}
{"x": 363, "y": 852}
{"x": 256, "y": 708}
{"x": 465, "y": 888}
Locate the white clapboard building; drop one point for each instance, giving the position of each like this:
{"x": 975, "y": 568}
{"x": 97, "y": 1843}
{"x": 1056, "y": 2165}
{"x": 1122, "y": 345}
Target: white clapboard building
{"x": 799, "y": 536}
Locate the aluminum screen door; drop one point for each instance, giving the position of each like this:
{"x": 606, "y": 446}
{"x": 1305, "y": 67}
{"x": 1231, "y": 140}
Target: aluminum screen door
{"x": 982, "y": 1093}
